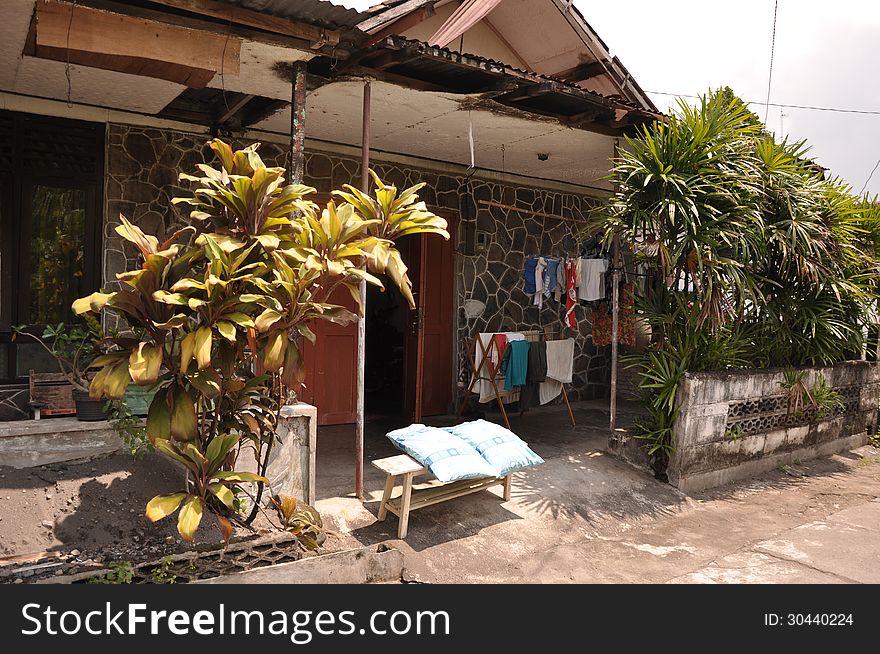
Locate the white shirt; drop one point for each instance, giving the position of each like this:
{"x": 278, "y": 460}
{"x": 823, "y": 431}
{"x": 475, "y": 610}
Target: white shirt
{"x": 592, "y": 286}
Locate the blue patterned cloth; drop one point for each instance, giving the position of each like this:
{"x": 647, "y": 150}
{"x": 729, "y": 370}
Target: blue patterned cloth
{"x": 447, "y": 456}
{"x": 501, "y": 448}
{"x": 529, "y": 276}
{"x": 550, "y": 276}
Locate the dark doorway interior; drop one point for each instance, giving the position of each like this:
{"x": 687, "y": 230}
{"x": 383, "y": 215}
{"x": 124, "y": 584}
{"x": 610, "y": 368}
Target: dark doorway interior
{"x": 385, "y": 352}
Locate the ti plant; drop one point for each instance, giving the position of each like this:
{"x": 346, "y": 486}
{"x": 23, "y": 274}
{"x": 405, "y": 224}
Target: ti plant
{"x": 300, "y": 519}
{"x": 223, "y": 306}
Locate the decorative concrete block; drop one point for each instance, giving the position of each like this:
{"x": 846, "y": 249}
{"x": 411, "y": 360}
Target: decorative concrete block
{"x": 291, "y": 468}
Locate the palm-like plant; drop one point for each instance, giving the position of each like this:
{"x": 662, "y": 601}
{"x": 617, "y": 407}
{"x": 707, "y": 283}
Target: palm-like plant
{"x": 223, "y": 305}
{"x": 761, "y": 260}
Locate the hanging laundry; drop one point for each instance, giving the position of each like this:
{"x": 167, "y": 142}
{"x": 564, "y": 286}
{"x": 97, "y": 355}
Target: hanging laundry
{"x": 540, "y": 268}
{"x": 560, "y": 362}
{"x": 592, "y": 279}
{"x": 550, "y": 276}
{"x": 535, "y": 375}
{"x": 603, "y": 320}
{"x": 559, "y": 291}
{"x": 529, "y": 275}
{"x": 571, "y": 282}
{"x": 483, "y": 384}
{"x": 515, "y": 365}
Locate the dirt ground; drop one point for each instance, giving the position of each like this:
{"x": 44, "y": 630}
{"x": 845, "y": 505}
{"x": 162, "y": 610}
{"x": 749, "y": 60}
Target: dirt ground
{"x": 93, "y": 509}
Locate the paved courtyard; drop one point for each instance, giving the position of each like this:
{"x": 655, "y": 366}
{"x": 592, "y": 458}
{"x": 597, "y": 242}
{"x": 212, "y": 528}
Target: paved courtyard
{"x": 584, "y": 516}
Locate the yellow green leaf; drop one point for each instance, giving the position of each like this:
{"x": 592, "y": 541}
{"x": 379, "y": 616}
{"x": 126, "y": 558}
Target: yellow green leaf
{"x": 273, "y": 355}
{"x": 162, "y": 506}
{"x": 227, "y": 330}
{"x": 222, "y": 493}
{"x": 94, "y": 302}
{"x": 117, "y": 380}
{"x": 266, "y": 319}
{"x": 189, "y": 518}
{"x": 187, "y": 347}
{"x": 203, "y": 347}
{"x": 144, "y": 364}
{"x": 159, "y": 418}
{"x": 184, "y": 422}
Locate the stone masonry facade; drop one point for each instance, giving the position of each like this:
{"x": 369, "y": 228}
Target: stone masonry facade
{"x": 141, "y": 178}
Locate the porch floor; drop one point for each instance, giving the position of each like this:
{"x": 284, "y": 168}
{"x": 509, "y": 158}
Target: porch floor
{"x": 585, "y": 516}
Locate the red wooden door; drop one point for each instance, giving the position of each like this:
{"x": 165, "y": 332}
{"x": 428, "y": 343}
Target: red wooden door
{"x": 331, "y": 367}
{"x": 429, "y": 336}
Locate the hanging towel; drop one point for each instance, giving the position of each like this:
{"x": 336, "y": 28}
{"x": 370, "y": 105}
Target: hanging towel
{"x": 535, "y": 375}
{"x": 515, "y": 365}
{"x": 592, "y": 279}
{"x": 560, "y": 361}
{"x": 539, "y": 282}
{"x": 529, "y": 275}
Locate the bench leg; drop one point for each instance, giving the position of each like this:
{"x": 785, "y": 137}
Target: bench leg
{"x": 404, "y": 505}
{"x": 386, "y": 495}
{"x": 507, "y": 480}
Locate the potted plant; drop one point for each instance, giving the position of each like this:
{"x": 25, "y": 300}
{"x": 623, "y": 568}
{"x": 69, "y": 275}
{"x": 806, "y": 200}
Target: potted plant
{"x": 74, "y": 348}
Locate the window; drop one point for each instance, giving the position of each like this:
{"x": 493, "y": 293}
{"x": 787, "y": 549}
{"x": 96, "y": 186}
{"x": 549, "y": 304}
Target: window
{"x": 50, "y": 191}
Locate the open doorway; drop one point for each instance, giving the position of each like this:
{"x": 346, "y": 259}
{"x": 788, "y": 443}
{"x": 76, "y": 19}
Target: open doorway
{"x": 385, "y": 354}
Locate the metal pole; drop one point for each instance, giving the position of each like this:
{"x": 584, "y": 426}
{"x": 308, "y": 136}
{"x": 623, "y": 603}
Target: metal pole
{"x": 615, "y": 302}
{"x": 362, "y": 333}
{"x": 298, "y": 123}
{"x": 615, "y": 310}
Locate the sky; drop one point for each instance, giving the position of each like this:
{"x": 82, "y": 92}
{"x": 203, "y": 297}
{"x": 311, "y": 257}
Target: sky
{"x": 827, "y": 54}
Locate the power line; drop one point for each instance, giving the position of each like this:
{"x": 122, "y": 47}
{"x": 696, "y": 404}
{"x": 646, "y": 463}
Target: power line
{"x": 865, "y": 112}
{"x": 772, "y": 54}
{"x": 870, "y": 177}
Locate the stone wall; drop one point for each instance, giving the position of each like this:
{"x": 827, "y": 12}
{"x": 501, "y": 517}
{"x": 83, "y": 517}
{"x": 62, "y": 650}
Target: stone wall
{"x": 142, "y": 167}
{"x": 737, "y": 424}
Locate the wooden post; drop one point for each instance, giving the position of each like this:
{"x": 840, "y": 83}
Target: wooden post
{"x": 298, "y": 123}
{"x": 362, "y": 333}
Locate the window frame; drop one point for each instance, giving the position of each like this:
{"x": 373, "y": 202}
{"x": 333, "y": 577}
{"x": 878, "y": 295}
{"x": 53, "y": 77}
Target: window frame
{"x": 17, "y": 185}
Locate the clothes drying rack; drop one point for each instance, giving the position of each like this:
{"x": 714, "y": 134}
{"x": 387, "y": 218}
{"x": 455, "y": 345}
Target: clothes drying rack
{"x": 489, "y": 368}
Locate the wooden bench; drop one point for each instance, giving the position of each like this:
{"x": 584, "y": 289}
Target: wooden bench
{"x": 51, "y": 394}
{"x": 405, "y": 466}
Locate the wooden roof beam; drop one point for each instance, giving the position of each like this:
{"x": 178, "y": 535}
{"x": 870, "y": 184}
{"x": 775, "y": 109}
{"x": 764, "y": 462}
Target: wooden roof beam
{"x": 582, "y": 71}
{"x": 317, "y": 36}
{"x": 401, "y": 24}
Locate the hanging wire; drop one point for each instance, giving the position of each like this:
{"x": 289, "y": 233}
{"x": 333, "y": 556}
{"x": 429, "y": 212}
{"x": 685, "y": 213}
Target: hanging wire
{"x": 870, "y": 177}
{"x": 223, "y": 63}
{"x": 67, "y": 57}
{"x": 772, "y": 55}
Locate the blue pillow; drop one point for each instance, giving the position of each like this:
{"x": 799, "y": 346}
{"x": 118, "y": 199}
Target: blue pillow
{"x": 502, "y": 449}
{"x": 447, "y": 456}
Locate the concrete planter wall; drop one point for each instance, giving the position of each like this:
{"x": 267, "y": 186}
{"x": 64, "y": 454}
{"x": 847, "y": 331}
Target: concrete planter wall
{"x": 733, "y": 425}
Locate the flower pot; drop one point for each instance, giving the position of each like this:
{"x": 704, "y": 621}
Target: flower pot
{"x": 87, "y": 409}
{"x": 138, "y": 398}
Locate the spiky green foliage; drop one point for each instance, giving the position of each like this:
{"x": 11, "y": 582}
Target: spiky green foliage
{"x": 760, "y": 260}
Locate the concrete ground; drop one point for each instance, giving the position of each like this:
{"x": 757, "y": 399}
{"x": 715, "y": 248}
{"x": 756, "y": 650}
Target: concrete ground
{"x": 585, "y": 516}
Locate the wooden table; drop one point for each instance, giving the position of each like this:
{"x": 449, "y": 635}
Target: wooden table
{"x": 405, "y": 466}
